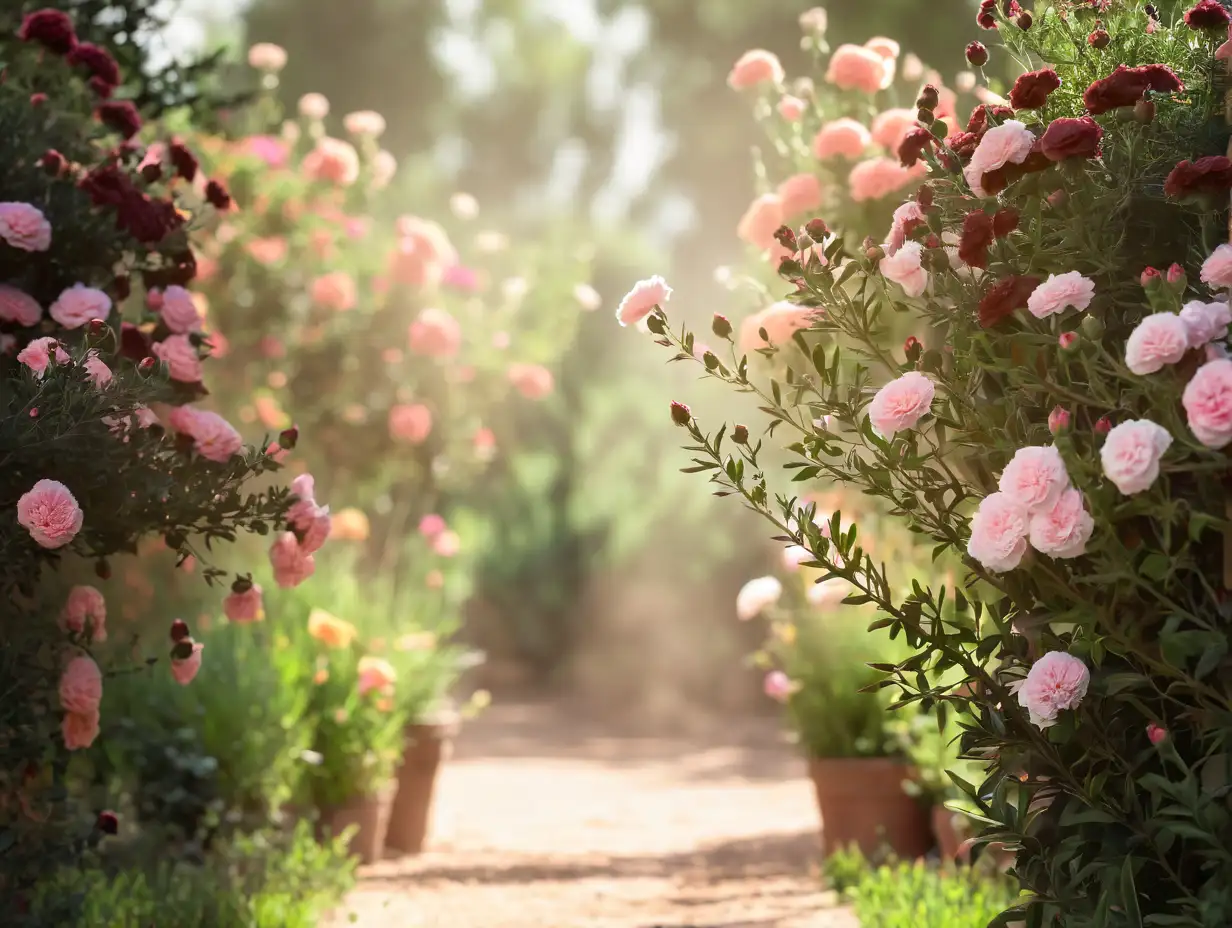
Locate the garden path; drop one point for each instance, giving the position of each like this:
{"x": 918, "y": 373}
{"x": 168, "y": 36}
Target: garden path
{"x": 545, "y": 819}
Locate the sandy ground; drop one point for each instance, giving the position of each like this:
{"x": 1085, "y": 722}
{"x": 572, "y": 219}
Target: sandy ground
{"x": 548, "y": 820}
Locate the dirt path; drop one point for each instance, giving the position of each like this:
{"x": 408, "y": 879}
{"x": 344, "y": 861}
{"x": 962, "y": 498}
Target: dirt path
{"x": 547, "y": 821}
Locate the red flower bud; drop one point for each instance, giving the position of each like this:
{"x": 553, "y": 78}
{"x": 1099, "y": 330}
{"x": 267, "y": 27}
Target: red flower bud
{"x": 179, "y": 630}
{"x": 38, "y": 99}
{"x": 1176, "y": 274}
{"x": 1024, "y": 20}
{"x": 1149, "y": 275}
{"x": 1156, "y": 733}
{"x": 786, "y": 237}
{"x": 1058, "y": 420}
{"x": 1103, "y": 426}
{"x": 924, "y": 196}
{"x": 108, "y": 823}
{"x": 680, "y": 413}
{"x": 152, "y": 173}
{"x": 287, "y": 438}
{"x": 740, "y": 435}
{"x": 146, "y": 366}
{"x": 1099, "y": 39}
{"x": 721, "y": 326}
{"x": 977, "y": 54}
{"x": 817, "y": 230}
{"x": 217, "y": 195}
{"x": 97, "y": 327}
{"x": 1066, "y": 340}
{"x": 53, "y": 162}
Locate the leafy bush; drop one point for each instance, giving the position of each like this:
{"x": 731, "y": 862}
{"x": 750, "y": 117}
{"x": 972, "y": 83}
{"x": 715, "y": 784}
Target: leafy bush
{"x": 915, "y": 895}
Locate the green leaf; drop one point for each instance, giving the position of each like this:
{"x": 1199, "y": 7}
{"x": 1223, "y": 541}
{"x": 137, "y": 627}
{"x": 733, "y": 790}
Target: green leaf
{"x": 1129, "y": 894}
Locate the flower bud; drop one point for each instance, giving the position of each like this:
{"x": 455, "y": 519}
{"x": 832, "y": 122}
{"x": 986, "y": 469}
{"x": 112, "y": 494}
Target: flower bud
{"x": 740, "y": 435}
{"x": 179, "y": 630}
{"x": 817, "y": 229}
{"x": 929, "y": 99}
{"x": 1093, "y": 327}
{"x": 287, "y": 438}
{"x": 1156, "y": 733}
{"x": 1099, "y": 39}
{"x": 977, "y": 54}
{"x": 721, "y": 326}
{"x": 924, "y": 196}
{"x": 913, "y": 349}
{"x": 53, "y": 162}
{"x": 1067, "y": 340}
{"x": 1176, "y": 276}
{"x": 1144, "y": 112}
{"x": 146, "y": 367}
{"x": 96, "y": 327}
{"x": 1103, "y": 426}
{"x": 152, "y": 173}
{"x": 38, "y": 99}
{"x": 1149, "y": 276}
{"x": 1058, "y": 420}
{"x": 680, "y": 413}
{"x": 241, "y": 585}
{"x": 786, "y": 237}
{"x": 932, "y": 241}
{"x": 1024, "y": 20}
{"x": 108, "y": 823}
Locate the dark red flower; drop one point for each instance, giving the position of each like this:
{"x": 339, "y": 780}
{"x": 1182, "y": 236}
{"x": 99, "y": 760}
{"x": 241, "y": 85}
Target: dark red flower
{"x": 121, "y": 116}
{"x": 1004, "y": 297}
{"x": 217, "y": 195}
{"x": 50, "y": 28}
{"x": 977, "y": 236}
{"x": 977, "y": 54}
{"x": 146, "y": 219}
{"x": 53, "y": 162}
{"x": 680, "y": 413}
{"x": 134, "y": 344}
{"x": 913, "y": 146}
{"x": 178, "y": 269}
{"x": 1099, "y": 39}
{"x": 179, "y": 630}
{"x": 1071, "y": 138}
{"x": 1209, "y": 175}
{"x": 924, "y": 196}
{"x": 979, "y": 123}
{"x": 985, "y": 18}
{"x": 183, "y": 160}
{"x": 108, "y": 823}
{"x": 1031, "y": 90}
{"x": 101, "y": 88}
{"x": 107, "y": 185}
{"x": 1125, "y": 87}
{"x": 1207, "y": 14}
{"x": 1004, "y": 221}
{"x": 97, "y": 61}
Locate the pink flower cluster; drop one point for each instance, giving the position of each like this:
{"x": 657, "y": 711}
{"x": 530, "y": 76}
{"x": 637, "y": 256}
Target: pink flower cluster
{"x": 85, "y": 604}
{"x": 435, "y": 334}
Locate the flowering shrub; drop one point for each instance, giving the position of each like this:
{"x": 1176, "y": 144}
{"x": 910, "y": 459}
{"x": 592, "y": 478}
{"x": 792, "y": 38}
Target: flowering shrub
{"x": 1061, "y": 438}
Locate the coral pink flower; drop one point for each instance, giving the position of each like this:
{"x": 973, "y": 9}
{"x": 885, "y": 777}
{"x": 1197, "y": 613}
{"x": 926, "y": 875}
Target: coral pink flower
{"x": 779, "y": 320}
{"x": 332, "y": 161}
{"x": 886, "y": 48}
{"x": 178, "y": 353}
{"x": 24, "y": 227}
{"x": 312, "y": 525}
{"x": 905, "y": 268}
{"x": 267, "y": 251}
{"x": 431, "y": 525}
{"x": 313, "y": 106}
{"x": 1217, "y": 269}
{"x": 901, "y": 403}
{"x": 375, "y": 674}
{"x": 85, "y": 603}
{"x": 756, "y": 596}
{"x": 81, "y": 686}
{"x": 266, "y": 56}
{"x": 37, "y": 355}
{"x": 484, "y": 442}
{"x": 410, "y": 423}
{"x": 877, "y": 178}
{"x": 800, "y": 193}
{"x": 999, "y": 533}
{"x": 1159, "y": 339}
{"x": 292, "y": 566}
{"x": 1156, "y": 733}
{"x": 754, "y": 67}
{"x": 842, "y": 138}
{"x": 1062, "y": 530}
{"x": 78, "y": 305}
{"x": 435, "y": 333}
{"x": 855, "y": 68}
{"x": 1205, "y": 322}
{"x": 178, "y": 310}
{"x": 1035, "y": 478}
{"x": 533, "y": 381}
{"x": 79, "y": 729}
{"x": 1208, "y": 403}
{"x": 335, "y": 290}
{"x": 778, "y": 686}
{"x": 1059, "y": 292}
{"x": 760, "y": 221}
{"x": 98, "y": 372}
{"x": 244, "y": 607}
{"x": 19, "y": 307}
{"x": 791, "y": 108}
{"x": 49, "y": 512}
{"x": 184, "y": 669}
{"x": 1131, "y": 454}
{"x": 892, "y": 126}
{"x": 364, "y": 122}
{"x": 639, "y": 302}
{"x": 1055, "y": 682}
{"x": 1009, "y": 143}
{"x": 906, "y": 218}
{"x": 447, "y": 543}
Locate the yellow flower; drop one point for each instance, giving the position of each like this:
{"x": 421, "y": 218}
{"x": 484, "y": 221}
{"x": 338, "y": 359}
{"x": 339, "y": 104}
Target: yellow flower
{"x": 330, "y": 630}
{"x": 786, "y": 632}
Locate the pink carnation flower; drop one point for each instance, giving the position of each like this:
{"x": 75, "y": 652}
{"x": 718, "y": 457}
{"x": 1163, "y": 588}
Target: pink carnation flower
{"x": 842, "y": 138}
{"x": 313, "y": 106}
{"x": 79, "y": 729}
{"x": 98, "y": 371}
{"x": 1217, "y": 268}
{"x": 78, "y": 305}
{"x": 999, "y": 533}
{"x": 1205, "y": 322}
{"x": 900, "y": 404}
{"x": 906, "y": 217}
{"x": 81, "y": 686}
{"x": 178, "y": 353}
{"x": 435, "y": 334}
{"x": 639, "y": 302}
{"x": 49, "y": 512}
{"x": 245, "y": 607}
{"x": 1035, "y": 478}
{"x": 1131, "y": 454}
{"x": 891, "y": 126}
{"x": 364, "y": 122}
{"x": 533, "y": 381}
{"x": 791, "y": 108}
{"x": 756, "y": 596}
{"x": 1159, "y": 339}
{"x": 1208, "y": 403}
{"x": 1055, "y": 682}
{"x": 778, "y": 686}
{"x": 24, "y": 227}
{"x": 410, "y": 423}
{"x": 877, "y": 178}
{"x": 1059, "y": 292}
{"x": 85, "y": 603}
{"x": 855, "y": 68}
{"x": 292, "y": 566}
{"x": 19, "y": 307}
{"x": 905, "y": 268}
{"x": 1008, "y": 143}
{"x": 184, "y": 669}
{"x": 760, "y": 221}
{"x": 179, "y": 311}
{"x": 375, "y": 674}
{"x": 754, "y": 67}
{"x": 779, "y": 320}
{"x": 214, "y": 438}
{"x": 1062, "y": 530}
{"x": 332, "y": 161}
{"x": 800, "y": 193}
{"x": 335, "y": 290}
{"x": 37, "y": 355}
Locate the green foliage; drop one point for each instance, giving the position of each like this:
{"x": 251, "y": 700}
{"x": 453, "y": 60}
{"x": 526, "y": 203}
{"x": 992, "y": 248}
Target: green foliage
{"x": 914, "y": 895}
{"x": 934, "y": 753}
{"x": 845, "y": 868}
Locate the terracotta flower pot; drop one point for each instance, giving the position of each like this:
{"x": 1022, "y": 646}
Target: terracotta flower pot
{"x": 949, "y": 844}
{"x": 427, "y": 745}
{"x": 861, "y": 800}
{"x": 371, "y": 815}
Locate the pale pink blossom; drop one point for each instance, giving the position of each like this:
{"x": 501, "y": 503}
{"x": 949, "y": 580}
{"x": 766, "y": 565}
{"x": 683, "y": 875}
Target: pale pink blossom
{"x": 756, "y": 596}
{"x": 587, "y": 297}
{"x": 640, "y": 302}
{"x": 19, "y": 307}
{"x": 365, "y": 123}
{"x": 1059, "y": 292}
{"x": 313, "y": 106}
{"x": 999, "y": 533}
{"x": 335, "y": 290}
{"x": 1131, "y": 454}
{"x": 446, "y": 543}
{"x": 79, "y": 729}
{"x": 49, "y": 512}
{"x": 384, "y": 167}
{"x": 754, "y": 67}
{"x": 180, "y": 356}
{"x": 905, "y": 267}
{"x": 791, "y": 108}
{"x": 800, "y": 193}
{"x": 1055, "y": 682}
{"x": 266, "y": 56}
{"x": 1062, "y": 530}
{"x": 828, "y": 593}
{"x": 878, "y": 178}
{"x": 813, "y": 21}
{"x": 1035, "y": 478}
{"x": 1217, "y": 268}
{"x": 855, "y": 68}
{"x": 886, "y": 48}
{"x": 778, "y": 686}
{"x": 214, "y": 438}
{"x": 81, "y": 686}
{"x": 1206, "y": 322}
{"x": 760, "y": 221}
{"x": 1208, "y": 403}
{"x": 909, "y": 215}
{"x": 312, "y": 523}
{"x": 411, "y": 423}
{"x": 97, "y": 370}
{"x": 1008, "y": 143}
{"x": 890, "y": 127}
{"x": 178, "y": 310}
{"x": 24, "y": 227}
{"x": 533, "y": 381}
{"x": 184, "y": 669}
{"x": 1158, "y": 340}
{"x": 85, "y": 603}
{"x": 842, "y": 138}
{"x": 78, "y": 305}
{"x": 292, "y": 566}
{"x": 37, "y": 355}
{"x": 435, "y": 334}
{"x": 794, "y": 556}
{"x": 332, "y": 161}
{"x": 779, "y": 320}
{"x": 244, "y": 607}
{"x": 431, "y": 525}
{"x": 900, "y": 404}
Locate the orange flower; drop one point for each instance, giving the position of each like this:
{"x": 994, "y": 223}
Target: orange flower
{"x": 320, "y": 676}
{"x": 349, "y": 524}
{"x": 375, "y": 674}
{"x": 330, "y": 630}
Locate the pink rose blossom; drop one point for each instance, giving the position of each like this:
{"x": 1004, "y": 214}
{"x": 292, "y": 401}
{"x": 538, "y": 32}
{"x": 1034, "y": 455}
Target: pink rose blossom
{"x": 292, "y": 566}
{"x": 19, "y": 307}
{"x": 184, "y": 669}
{"x": 49, "y": 512}
{"x": 332, "y": 161}
{"x": 245, "y": 607}
{"x": 1034, "y": 478}
{"x": 37, "y": 355}
{"x": 756, "y": 596}
{"x": 24, "y": 226}
{"x": 1205, "y": 322}
{"x": 1059, "y": 292}
{"x": 98, "y": 372}
{"x": 533, "y": 381}
{"x": 855, "y": 68}
{"x": 1208, "y": 403}
{"x": 179, "y": 311}
{"x": 178, "y": 353}
{"x": 1156, "y": 733}
{"x": 81, "y": 686}
{"x": 791, "y": 108}
{"x": 999, "y": 533}
{"x": 907, "y": 217}
{"x": 760, "y": 221}
{"x": 842, "y": 138}
{"x": 431, "y": 525}
{"x": 1131, "y": 454}
{"x": 1008, "y": 143}
{"x": 905, "y": 268}
{"x": 85, "y": 603}
{"x": 1055, "y": 682}
{"x": 800, "y": 193}
{"x": 754, "y": 67}
{"x": 891, "y": 126}
{"x": 778, "y": 686}
{"x": 410, "y": 423}
{"x": 780, "y": 320}
{"x": 1159, "y": 339}
{"x": 78, "y": 305}
{"x": 446, "y": 543}
{"x": 214, "y": 438}
{"x": 639, "y": 302}
{"x": 1217, "y": 269}
{"x": 1063, "y": 530}
{"x": 335, "y": 290}
{"x": 878, "y": 178}
{"x": 79, "y": 729}
{"x": 435, "y": 334}
{"x": 900, "y": 404}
